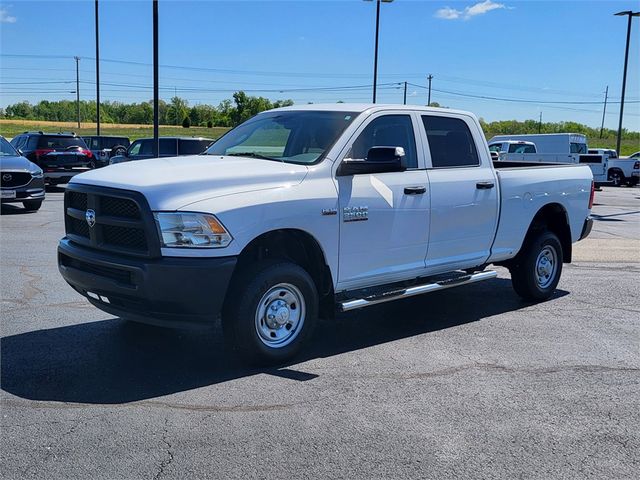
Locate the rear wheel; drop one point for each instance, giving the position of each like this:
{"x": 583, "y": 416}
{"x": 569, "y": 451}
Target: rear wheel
{"x": 32, "y": 205}
{"x": 270, "y": 311}
{"x": 616, "y": 177}
{"x": 536, "y": 270}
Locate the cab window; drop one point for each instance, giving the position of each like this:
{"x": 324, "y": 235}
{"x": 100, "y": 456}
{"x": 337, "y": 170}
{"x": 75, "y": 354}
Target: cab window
{"x": 450, "y": 142}
{"x": 387, "y": 131}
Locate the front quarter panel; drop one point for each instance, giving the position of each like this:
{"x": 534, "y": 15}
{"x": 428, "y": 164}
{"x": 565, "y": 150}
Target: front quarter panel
{"x": 249, "y": 215}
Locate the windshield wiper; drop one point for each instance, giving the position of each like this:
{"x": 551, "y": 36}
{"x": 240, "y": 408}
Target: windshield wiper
{"x": 253, "y": 155}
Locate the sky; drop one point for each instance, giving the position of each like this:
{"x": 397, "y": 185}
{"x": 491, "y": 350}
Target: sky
{"x": 501, "y": 59}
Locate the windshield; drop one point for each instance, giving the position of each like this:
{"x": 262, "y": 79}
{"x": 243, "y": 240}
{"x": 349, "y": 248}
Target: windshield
{"x": 292, "y": 136}
{"x": 6, "y": 149}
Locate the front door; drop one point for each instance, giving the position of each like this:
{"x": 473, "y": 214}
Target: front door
{"x": 384, "y": 217}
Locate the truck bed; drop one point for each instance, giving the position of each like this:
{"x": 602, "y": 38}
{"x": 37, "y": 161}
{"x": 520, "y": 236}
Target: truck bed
{"x": 526, "y": 188}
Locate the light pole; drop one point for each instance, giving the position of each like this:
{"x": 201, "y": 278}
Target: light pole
{"x": 375, "y": 56}
{"x": 156, "y": 99}
{"x": 97, "y": 71}
{"x": 629, "y": 14}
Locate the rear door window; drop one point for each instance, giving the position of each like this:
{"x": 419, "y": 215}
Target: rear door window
{"x": 168, "y": 146}
{"x": 450, "y": 142}
{"x": 192, "y": 147}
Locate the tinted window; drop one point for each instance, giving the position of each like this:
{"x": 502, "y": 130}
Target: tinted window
{"x": 60, "y": 143}
{"x": 450, "y": 142}
{"x": 92, "y": 142}
{"x": 192, "y": 147}
{"x": 17, "y": 141}
{"x": 495, "y": 147}
{"x": 109, "y": 142}
{"x": 387, "y": 131}
{"x": 168, "y": 146}
{"x": 290, "y": 136}
{"x": 590, "y": 159}
{"x": 31, "y": 143}
{"x": 515, "y": 148}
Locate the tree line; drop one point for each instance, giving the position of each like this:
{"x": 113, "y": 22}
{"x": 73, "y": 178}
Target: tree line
{"x": 241, "y": 107}
{"x": 228, "y": 113}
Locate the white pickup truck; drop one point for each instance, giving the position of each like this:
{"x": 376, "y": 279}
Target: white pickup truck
{"x": 620, "y": 171}
{"x": 304, "y": 211}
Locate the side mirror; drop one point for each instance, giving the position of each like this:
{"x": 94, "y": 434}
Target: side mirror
{"x": 495, "y": 156}
{"x": 20, "y": 152}
{"x": 379, "y": 160}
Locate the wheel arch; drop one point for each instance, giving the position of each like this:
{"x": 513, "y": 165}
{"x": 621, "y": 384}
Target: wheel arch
{"x": 299, "y": 247}
{"x": 553, "y": 217}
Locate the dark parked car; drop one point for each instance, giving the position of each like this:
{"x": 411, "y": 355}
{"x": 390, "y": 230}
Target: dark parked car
{"x": 169, "y": 147}
{"x": 60, "y": 155}
{"x": 104, "y": 147}
{"x": 21, "y": 181}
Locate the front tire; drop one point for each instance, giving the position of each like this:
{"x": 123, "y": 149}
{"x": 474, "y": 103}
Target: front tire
{"x": 270, "y": 311}
{"x": 537, "y": 268}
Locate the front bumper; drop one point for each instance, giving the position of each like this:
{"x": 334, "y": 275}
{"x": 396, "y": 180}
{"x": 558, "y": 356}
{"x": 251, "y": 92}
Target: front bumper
{"x": 586, "y": 228}
{"x": 167, "y": 291}
{"x": 34, "y": 190}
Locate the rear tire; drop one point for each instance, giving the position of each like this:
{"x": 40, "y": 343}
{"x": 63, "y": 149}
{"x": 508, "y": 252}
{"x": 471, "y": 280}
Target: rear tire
{"x": 32, "y": 205}
{"x": 270, "y": 312}
{"x": 536, "y": 270}
{"x": 616, "y": 178}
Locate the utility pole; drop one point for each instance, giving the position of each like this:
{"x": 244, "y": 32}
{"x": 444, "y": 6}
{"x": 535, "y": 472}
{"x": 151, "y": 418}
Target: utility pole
{"x": 77, "y": 59}
{"x": 629, "y": 14}
{"x": 540, "y": 123}
{"x": 430, "y": 77}
{"x": 156, "y": 100}
{"x": 604, "y": 111}
{"x": 97, "y": 74}
{"x": 405, "y": 93}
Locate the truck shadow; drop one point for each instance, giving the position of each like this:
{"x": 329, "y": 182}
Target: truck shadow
{"x": 112, "y": 361}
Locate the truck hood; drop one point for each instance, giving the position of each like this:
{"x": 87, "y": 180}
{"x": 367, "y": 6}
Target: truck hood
{"x": 171, "y": 183}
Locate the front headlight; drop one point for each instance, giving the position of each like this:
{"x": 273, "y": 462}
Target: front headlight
{"x": 187, "y": 229}
{"x": 36, "y": 173}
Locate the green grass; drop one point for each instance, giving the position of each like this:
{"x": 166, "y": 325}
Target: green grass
{"x": 11, "y": 129}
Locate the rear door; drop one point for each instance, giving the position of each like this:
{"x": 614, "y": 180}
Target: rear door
{"x": 464, "y": 193}
{"x": 384, "y": 217}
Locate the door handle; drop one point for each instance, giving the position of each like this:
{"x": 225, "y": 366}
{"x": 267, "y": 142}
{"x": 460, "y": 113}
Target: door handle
{"x": 484, "y": 185}
{"x": 415, "y": 190}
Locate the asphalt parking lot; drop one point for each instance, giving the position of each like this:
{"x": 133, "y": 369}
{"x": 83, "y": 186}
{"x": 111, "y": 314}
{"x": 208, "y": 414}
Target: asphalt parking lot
{"x": 465, "y": 383}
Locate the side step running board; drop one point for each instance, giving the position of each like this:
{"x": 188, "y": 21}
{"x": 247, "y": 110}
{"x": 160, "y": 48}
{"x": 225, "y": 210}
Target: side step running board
{"x": 417, "y": 290}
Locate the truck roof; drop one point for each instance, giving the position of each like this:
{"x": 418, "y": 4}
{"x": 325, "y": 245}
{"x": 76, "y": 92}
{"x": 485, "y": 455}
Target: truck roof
{"x": 363, "y": 107}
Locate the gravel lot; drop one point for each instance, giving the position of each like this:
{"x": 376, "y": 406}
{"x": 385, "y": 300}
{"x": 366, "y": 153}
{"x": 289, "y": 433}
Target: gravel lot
{"x": 465, "y": 383}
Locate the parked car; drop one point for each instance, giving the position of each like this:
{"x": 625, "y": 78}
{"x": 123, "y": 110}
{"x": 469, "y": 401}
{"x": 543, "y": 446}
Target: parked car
{"x": 169, "y": 147}
{"x": 21, "y": 181}
{"x": 60, "y": 155}
{"x": 551, "y": 148}
{"x": 307, "y": 209}
{"x": 621, "y": 171}
{"x": 634, "y": 155}
{"x": 104, "y": 147}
